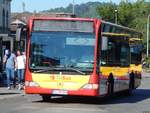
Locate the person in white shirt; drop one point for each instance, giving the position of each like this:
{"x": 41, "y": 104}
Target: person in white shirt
{"x": 20, "y": 66}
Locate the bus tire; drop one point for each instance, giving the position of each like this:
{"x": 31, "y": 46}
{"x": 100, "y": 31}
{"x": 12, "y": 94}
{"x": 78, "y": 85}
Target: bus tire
{"x": 110, "y": 84}
{"x": 46, "y": 98}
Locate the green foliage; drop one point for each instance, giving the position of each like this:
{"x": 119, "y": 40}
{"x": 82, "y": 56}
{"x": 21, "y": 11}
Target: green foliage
{"x": 82, "y": 10}
{"x": 146, "y": 63}
{"x": 106, "y": 11}
{"x": 147, "y": 60}
{"x": 125, "y": 10}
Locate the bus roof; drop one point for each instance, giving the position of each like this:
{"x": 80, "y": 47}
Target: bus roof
{"x": 130, "y": 30}
{"x": 127, "y": 30}
{"x": 61, "y": 18}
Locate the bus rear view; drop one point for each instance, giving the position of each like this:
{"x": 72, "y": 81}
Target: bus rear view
{"x": 62, "y": 57}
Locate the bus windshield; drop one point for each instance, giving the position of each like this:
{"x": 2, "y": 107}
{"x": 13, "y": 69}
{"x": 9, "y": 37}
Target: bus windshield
{"x": 62, "y": 49}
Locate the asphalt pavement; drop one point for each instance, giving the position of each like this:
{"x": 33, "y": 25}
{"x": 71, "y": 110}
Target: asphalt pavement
{"x": 5, "y": 93}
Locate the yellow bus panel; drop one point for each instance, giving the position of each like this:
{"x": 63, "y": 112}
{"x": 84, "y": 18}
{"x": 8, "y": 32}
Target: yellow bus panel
{"x": 116, "y": 71}
{"x": 66, "y": 82}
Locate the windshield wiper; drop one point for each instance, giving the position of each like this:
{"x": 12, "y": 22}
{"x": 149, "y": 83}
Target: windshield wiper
{"x": 59, "y": 69}
{"x": 42, "y": 70}
{"x": 76, "y": 70}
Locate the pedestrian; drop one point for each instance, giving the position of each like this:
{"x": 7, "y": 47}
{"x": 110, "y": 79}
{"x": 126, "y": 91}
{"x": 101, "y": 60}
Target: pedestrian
{"x": 20, "y": 66}
{"x": 24, "y": 56}
{"x": 9, "y": 61}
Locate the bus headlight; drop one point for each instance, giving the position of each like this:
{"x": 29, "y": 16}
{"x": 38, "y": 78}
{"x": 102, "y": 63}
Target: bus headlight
{"x": 90, "y": 86}
{"x": 31, "y": 84}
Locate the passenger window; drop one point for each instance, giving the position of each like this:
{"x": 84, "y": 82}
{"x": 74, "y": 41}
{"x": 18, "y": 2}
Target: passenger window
{"x": 114, "y": 53}
{"x": 136, "y": 52}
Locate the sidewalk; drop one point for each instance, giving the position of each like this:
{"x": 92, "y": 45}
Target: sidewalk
{"x": 5, "y": 93}
{"x": 145, "y": 75}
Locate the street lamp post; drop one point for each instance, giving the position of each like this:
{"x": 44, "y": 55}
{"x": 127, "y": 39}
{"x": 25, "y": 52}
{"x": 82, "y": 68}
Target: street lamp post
{"x": 116, "y": 16}
{"x": 73, "y": 9}
{"x": 148, "y": 35}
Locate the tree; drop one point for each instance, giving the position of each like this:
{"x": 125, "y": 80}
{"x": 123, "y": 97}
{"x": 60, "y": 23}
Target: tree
{"x": 125, "y": 10}
{"x": 106, "y": 11}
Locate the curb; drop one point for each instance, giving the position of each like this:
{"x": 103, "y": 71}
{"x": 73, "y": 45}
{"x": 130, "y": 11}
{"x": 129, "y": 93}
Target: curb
{"x": 145, "y": 74}
{"x": 6, "y": 94}
{"x": 9, "y": 96}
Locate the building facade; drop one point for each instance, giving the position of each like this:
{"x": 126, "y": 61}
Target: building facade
{"x": 4, "y": 16}
{"x": 5, "y": 40}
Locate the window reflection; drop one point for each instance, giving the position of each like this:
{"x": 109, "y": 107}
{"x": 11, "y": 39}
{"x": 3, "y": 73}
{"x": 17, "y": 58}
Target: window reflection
{"x": 55, "y": 49}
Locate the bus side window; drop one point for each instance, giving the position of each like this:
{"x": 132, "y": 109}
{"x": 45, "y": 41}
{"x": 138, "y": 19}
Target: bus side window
{"x": 125, "y": 55}
{"x": 136, "y": 55}
{"x": 104, "y": 50}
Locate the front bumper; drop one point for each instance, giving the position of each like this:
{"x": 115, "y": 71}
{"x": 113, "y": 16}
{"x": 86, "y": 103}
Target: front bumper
{"x": 81, "y": 92}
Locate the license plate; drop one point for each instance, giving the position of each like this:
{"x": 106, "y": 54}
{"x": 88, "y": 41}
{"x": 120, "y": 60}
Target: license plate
{"x": 60, "y": 92}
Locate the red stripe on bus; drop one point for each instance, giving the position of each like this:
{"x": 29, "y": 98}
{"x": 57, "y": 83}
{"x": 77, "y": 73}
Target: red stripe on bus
{"x": 81, "y": 92}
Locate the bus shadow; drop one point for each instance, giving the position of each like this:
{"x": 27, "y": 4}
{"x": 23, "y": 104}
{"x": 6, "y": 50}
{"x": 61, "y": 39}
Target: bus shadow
{"x": 138, "y": 95}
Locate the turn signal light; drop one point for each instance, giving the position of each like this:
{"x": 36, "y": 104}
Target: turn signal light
{"x": 90, "y": 86}
{"x": 31, "y": 84}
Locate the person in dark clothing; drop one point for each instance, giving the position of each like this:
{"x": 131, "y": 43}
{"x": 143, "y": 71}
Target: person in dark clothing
{"x": 110, "y": 84}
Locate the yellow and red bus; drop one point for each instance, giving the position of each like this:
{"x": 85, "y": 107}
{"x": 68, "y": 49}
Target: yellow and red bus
{"x": 66, "y": 56}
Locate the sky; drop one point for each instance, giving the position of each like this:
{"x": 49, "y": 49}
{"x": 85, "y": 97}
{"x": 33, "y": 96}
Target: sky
{"x": 39, "y": 5}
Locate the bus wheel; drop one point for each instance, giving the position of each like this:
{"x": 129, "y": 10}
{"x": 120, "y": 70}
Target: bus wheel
{"x": 46, "y": 98}
{"x": 110, "y": 85}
